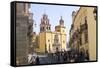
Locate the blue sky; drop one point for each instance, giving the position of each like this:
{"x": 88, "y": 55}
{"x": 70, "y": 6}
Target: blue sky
{"x": 54, "y": 13}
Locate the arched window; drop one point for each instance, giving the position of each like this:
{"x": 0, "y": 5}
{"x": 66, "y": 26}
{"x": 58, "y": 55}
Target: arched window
{"x": 43, "y": 28}
{"x": 49, "y": 28}
{"x": 49, "y": 48}
{"x": 86, "y": 36}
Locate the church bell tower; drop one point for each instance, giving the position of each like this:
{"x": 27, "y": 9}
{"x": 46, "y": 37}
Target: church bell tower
{"x": 45, "y": 26}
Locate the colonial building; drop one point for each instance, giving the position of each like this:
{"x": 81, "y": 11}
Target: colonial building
{"x": 49, "y": 41}
{"x": 24, "y": 29}
{"x": 83, "y": 32}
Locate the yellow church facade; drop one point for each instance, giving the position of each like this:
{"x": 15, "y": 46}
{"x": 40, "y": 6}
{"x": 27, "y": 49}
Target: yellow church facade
{"x": 49, "y": 41}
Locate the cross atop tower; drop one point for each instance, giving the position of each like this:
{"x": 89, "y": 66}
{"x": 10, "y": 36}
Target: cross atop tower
{"x": 61, "y": 21}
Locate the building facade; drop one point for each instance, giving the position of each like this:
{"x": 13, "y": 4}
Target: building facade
{"x": 24, "y": 29}
{"x": 83, "y": 32}
{"x": 49, "y": 41}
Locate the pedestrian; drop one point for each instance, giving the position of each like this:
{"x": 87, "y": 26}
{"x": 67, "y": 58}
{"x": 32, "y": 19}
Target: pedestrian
{"x": 30, "y": 59}
{"x": 65, "y": 57}
{"x": 76, "y": 57}
{"x": 81, "y": 56}
{"x": 37, "y": 60}
{"x": 34, "y": 55}
{"x": 87, "y": 55}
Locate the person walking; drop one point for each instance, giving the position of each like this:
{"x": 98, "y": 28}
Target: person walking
{"x": 37, "y": 60}
{"x": 30, "y": 59}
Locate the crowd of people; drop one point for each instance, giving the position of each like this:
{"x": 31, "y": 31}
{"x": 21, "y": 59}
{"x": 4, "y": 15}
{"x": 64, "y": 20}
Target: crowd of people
{"x": 60, "y": 57}
{"x": 71, "y": 56}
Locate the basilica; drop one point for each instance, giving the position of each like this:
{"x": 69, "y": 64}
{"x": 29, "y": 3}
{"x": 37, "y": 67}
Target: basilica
{"x": 51, "y": 41}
